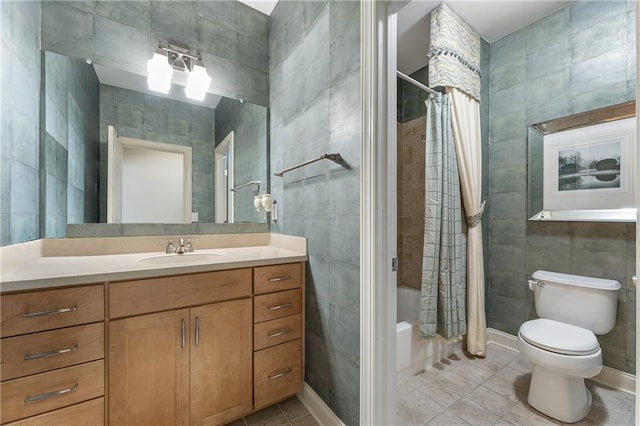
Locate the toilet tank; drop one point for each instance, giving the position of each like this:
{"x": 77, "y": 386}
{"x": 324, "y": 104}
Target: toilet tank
{"x": 586, "y": 302}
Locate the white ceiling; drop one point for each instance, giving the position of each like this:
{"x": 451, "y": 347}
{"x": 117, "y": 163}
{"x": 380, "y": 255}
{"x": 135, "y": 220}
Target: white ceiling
{"x": 264, "y": 6}
{"x": 491, "y": 19}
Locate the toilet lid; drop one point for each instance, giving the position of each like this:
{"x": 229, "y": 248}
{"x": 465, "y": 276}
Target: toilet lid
{"x": 559, "y": 337}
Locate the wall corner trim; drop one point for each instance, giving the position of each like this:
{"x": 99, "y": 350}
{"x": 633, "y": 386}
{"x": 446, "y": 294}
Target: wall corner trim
{"x": 317, "y": 407}
{"x": 611, "y": 377}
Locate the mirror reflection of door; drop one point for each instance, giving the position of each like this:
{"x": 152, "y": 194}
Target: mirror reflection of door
{"x": 148, "y": 182}
{"x": 224, "y": 180}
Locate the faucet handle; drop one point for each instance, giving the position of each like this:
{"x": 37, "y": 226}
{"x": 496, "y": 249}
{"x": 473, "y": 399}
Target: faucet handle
{"x": 188, "y": 247}
{"x": 170, "y": 248}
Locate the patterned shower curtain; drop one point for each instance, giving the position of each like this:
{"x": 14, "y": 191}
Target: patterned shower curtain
{"x": 443, "y": 292}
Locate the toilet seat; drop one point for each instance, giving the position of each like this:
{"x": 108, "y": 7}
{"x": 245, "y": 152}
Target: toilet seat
{"x": 559, "y": 337}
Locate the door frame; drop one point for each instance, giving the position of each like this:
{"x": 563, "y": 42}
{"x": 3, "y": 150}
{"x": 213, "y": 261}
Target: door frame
{"x": 378, "y": 214}
{"x": 116, "y": 145}
{"x": 223, "y": 196}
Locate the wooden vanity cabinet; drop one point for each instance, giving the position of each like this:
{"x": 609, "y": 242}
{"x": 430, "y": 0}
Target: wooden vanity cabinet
{"x": 278, "y": 315}
{"x": 183, "y": 366}
{"x": 52, "y": 357}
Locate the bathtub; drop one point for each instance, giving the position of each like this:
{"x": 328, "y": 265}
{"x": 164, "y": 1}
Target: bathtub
{"x": 413, "y": 354}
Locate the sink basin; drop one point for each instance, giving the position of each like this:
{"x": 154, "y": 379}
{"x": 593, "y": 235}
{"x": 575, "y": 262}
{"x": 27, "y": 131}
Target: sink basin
{"x": 179, "y": 259}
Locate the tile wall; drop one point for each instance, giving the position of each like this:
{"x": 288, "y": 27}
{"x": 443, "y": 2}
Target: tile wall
{"x": 579, "y": 58}
{"x": 411, "y": 169}
{"x": 20, "y": 124}
{"x": 69, "y": 138}
{"x": 143, "y": 116}
{"x": 249, "y": 124}
{"x": 122, "y": 35}
{"x": 315, "y": 108}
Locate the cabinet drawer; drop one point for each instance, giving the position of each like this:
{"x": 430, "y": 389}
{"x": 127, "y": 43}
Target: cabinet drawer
{"x": 49, "y": 350}
{"x": 277, "y": 373}
{"x": 267, "y": 279}
{"x": 276, "y": 305}
{"x": 49, "y": 391}
{"x": 90, "y": 413}
{"x": 161, "y": 294}
{"x": 23, "y": 313}
{"x": 274, "y": 332}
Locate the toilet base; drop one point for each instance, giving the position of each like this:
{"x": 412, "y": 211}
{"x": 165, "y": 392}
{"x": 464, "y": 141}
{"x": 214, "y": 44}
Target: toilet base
{"x": 562, "y": 397}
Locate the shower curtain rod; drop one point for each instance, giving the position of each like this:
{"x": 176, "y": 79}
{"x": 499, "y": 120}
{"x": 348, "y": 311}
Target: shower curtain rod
{"x": 415, "y": 82}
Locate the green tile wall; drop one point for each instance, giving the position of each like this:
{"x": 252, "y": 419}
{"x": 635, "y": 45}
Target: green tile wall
{"x": 70, "y": 144}
{"x": 20, "y": 123}
{"x": 249, "y": 124}
{"x": 580, "y": 58}
{"x": 315, "y": 108}
{"x": 231, "y": 36}
{"x": 144, "y": 116}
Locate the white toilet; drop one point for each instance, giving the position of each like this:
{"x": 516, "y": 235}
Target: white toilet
{"x": 561, "y": 343}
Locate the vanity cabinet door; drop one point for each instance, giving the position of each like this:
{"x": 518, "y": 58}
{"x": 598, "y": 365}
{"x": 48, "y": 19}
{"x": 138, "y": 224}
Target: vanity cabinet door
{"x": 149, "y": 369}
{"x": 221, "y": 361}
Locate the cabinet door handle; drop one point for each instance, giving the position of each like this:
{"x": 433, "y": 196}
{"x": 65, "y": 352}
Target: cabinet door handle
{"x": 50, "y": 312}
{"x": 184, "y": 334}
{"x": 29, "y": 399}
{"x": 197, "y": 331}
{"x": 278, "y": 279}
{"x": 280, "y": 333}
{"x": 285, "y": 305}
{"x": 280, "y": 374}
{"x": 28, "y": 357}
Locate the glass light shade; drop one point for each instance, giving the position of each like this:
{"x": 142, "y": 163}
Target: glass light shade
{"x": 197, "y": 83}
{"x": 257, "y": 202}
{"x": 159, "y": 74}
{"x": 267, "y": 202}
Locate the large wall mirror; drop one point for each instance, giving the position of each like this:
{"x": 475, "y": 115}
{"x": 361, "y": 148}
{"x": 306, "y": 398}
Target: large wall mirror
{"x": 582, "y": 167}
{"x": 81, "y": 101}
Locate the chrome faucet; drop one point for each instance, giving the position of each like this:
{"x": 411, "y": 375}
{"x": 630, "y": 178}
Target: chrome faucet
{"x": 170, "y": 248}
{"x": 184, "y": 247}
{"x": 180, "y": 249}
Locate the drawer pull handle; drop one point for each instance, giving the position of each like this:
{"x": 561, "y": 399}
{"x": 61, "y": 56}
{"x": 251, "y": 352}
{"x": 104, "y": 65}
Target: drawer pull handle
{"x": 278, "y": 279}
{"x": 197, "y": 331}
{"x": 280, "y": 374}
{"x": 275, "y": 308}
{"x": 30, "y": 399}
{"x": 51, "y": 312}
{"x": 281, "y": 333}
{"x": 183, "y": 329}
{"x": 28, "y": 357}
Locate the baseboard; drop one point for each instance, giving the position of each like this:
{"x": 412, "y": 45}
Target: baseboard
{"x": 608, "y": 376}
{"x": 317, "y": 407}
{"x": 503, "y": 339}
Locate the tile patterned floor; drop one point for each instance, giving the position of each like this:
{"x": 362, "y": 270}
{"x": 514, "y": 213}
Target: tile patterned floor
{"x": 287, "y": 413}
{"x": 461, "y": 390}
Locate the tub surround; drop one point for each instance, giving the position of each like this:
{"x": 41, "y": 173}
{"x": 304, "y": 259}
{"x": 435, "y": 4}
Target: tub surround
{"x": 50, "y": 263}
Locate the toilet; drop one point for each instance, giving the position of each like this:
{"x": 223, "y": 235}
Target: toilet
{"x": 562, "y": 344}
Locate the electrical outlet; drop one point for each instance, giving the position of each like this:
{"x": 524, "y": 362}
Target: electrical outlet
{"x": 194, "y": 217}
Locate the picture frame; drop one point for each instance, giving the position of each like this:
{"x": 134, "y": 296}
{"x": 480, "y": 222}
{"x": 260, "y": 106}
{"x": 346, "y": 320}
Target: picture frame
{"x": 590, "y": 167}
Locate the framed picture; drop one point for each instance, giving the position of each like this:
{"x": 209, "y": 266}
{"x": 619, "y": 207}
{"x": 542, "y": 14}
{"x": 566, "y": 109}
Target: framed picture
{"x": 591, "y": 167}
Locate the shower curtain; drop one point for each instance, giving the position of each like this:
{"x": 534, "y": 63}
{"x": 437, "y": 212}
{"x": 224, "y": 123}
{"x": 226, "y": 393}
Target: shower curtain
{"x": 444, "y": 253}
{"x": 454, "y": 63}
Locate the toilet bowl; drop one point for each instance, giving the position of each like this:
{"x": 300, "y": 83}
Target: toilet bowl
{"x": 563, "y": 355}
{"x": 561, "y": 343}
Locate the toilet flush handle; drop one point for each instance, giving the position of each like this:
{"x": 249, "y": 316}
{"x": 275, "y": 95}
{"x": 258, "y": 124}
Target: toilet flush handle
{"x": 535, "y": 283}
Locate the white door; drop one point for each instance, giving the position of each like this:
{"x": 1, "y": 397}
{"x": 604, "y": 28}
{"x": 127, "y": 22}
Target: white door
{"x": 147, "y": 182}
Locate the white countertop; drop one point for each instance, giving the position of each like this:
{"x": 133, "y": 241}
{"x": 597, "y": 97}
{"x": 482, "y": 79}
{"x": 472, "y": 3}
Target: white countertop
{"x": 43, "y": 272}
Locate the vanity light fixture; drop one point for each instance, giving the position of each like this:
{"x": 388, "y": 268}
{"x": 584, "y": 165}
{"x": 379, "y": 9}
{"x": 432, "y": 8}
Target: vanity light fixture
{"x": 175, "y": 57}
{"x": 197, "y": 83}
{"x": 159, "y": 73}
